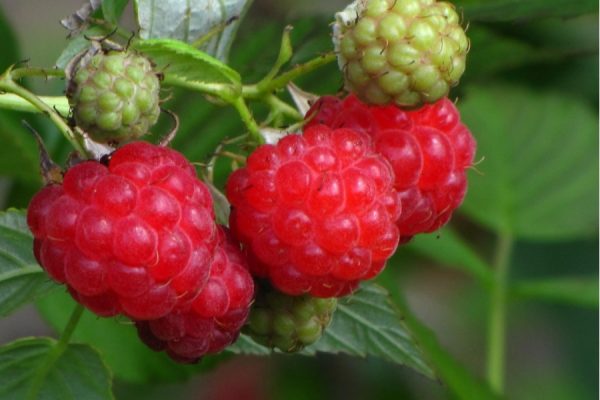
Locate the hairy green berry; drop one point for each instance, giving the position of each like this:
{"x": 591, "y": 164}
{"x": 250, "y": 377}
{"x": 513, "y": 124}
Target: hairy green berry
{"x": 288, "y": 323}
{"x": 115, "y": 96}
{"x": 407, "y": 52}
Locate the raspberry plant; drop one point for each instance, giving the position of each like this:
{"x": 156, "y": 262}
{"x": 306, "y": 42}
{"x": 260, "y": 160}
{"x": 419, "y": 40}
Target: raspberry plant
{"x": 292, "y": 198}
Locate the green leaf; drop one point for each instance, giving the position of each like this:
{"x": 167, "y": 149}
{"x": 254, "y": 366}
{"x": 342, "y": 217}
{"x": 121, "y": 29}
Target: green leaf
{"x": 212, "y": 22}
{"x": 117, "y": 340}
{"x": 21, "y": 279}
{"x": 447, "y": 248}
{"x": 76, "y": 45}
{"x": 186, "y": 62}
{"x": 245, "y": 345}
{"x": 521, "y": 10}
{"x": 541, "y": 42}
{"x": 364, "y": 324}
{"x": 461, "y": 382}
{"x": 10, "y": 48}
{"x": 368, "y": 323}
{"x": 112, "y": 10}
{"x": 18, "y": 153}
{"x": 539, "y": 174}
{"x": 78, "y": 373}
{"x": 574, "y": 291}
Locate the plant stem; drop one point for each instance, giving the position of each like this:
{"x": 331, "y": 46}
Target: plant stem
{"x": 54, "y": 354}
{"x": 282, "y": 107}
{"x": 266, "y": 87}
{"x": 19, "y": 73}
{"x": 8, "y": 85}
{"x": 246, "y": 115}
{"x": 9, "y": 101}
{"x": 223, "y": 91}
{"x": 497, "y": 314}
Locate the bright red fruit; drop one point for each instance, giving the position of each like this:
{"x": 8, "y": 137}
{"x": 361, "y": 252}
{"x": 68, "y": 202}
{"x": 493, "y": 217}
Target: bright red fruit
{"x": 316, "y": 211}
{"x": 214, "y": 319}
{"x": 135, "y": 235}
{"x": 429, "y": 150}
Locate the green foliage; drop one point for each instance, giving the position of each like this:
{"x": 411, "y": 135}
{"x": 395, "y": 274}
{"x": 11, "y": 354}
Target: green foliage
{"x": 186, "y": 62}
{"x": 213, "y": 23}
{"x": 447, "y": 248}
{"x": 364, "y": 324}
{"x": 116, "y": 339}
{"x": 460, "y": 381}
{"x": 519, "y": 10}
{"x": 10, "y": 51}
{"x": 573, "y": 290}
{"x": 78, "y": 373}
{"x": 18, "y": 156}
{"x": 112, "y": 10}
{"x": 538, "y": 176}
{"x": 21, "y": 279}
{"x": 78, "y": 44}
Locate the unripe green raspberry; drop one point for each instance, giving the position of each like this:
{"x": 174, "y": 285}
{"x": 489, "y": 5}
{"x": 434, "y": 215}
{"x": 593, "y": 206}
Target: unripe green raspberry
{"x": 288, "y": 323}
{"x": 115, "y": 96}
{"x": 406, "y": 52}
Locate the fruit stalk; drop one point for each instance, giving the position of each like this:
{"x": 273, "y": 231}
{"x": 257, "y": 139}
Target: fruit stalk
{"x": 54, "y": 354}
{"x": 9, "y": 101}
{"x": 269, "y": 86}
{"x": 497, "y": 321}
{"x": 7, "y": 84}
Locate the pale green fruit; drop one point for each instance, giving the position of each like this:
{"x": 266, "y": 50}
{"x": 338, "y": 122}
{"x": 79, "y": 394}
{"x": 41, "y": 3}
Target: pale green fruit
{"x": 408, "y": 52}
{"x": 115, "y": 96}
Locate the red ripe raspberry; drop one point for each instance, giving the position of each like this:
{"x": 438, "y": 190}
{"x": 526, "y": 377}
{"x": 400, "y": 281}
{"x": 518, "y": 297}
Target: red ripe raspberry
{"x": 216, "y": 316}
{"x": 135, "y": 236}
{"x": 429, "y": 149}
{"x": 316, "y": 211}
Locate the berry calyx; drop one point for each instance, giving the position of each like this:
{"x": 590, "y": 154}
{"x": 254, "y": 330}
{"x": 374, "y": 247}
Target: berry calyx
{"x": 115, "y": 96}
{"x": 134, "y": 236}
{"x": 316, "y": 211}
{"x": 215, "y": 317}
{"x": 406, "y": 52}
{"x": 429, "y": 149}
{"x": 288, "y": 323}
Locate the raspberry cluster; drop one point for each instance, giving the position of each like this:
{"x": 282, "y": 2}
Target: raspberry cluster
{"x": 134, "y": 233}
{"x": 316, "y": 211}
{"x": 214, "y": 319}
{"x": 400, "y": 51}
{"x": 429, "y": 150}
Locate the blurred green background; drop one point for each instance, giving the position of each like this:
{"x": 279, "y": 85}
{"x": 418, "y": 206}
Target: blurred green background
{"x": 530, "y": 96}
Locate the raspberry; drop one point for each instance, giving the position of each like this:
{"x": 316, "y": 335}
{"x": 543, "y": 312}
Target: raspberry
{"x": 135, "y": 236}
{"x": 429, "y": 150}
{"x": 316, "y": 211}
{"x": 402, "y": 51}
{"x": 214, "y": 319}
{"x": 115, "y": 96}
{"x": 288, "y": 323}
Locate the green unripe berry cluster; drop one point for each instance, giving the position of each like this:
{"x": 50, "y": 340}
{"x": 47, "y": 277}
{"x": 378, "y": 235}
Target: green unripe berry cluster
{"x": 115, "y": 96}
{"x": 404, "y": 51}
{"x": 288, "y": 323}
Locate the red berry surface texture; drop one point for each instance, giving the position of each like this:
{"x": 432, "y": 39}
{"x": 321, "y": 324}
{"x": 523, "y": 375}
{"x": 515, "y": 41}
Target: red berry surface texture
{"x": 316, "y": 211}
{"x": 215, "y": 317}
{"x": 135, "y": 235}
{"x": 429, "y": 149}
